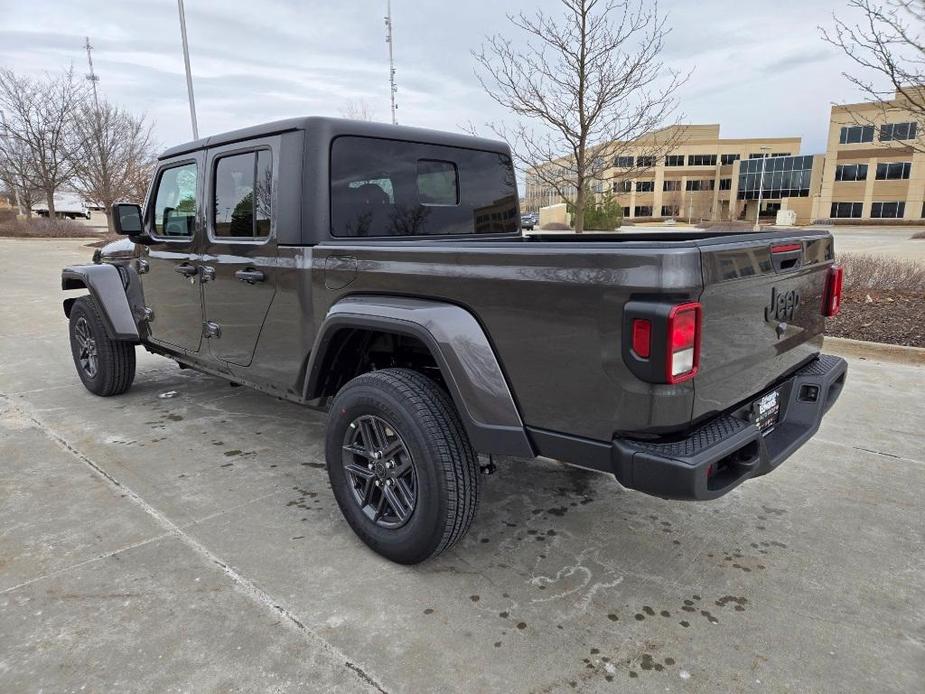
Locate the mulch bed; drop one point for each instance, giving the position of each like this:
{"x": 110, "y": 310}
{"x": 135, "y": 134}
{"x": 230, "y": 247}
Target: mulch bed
{"x": 881, "y": 316}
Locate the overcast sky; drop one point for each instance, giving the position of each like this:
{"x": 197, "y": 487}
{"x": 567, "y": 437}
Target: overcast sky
{"x": 760, "y": 67}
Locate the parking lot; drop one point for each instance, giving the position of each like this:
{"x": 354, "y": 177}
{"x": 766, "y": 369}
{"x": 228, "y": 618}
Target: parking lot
{"x": 183, "y": 537}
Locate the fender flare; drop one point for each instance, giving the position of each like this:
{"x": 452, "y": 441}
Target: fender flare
{"x": 462, "y": 351}
{"x": 104, "y": 281}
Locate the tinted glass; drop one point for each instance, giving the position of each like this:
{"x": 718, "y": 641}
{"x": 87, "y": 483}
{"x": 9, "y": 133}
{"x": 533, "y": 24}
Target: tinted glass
{"x": 437, "y": 182}
{"x": 175, "y": 202}
{"x": 234, "y": 196}
{"x": 243, "y": 191}
{"x": 392, "y": 188}
{"x": 264, "y": 187}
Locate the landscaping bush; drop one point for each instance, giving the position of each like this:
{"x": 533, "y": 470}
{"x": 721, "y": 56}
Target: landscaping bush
{"x": 42, "y": 227}
{"x": 863, "y": 272}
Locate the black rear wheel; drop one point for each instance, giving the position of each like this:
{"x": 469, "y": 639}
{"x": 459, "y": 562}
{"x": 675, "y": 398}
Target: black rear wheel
{"x": 105, "y": 366}
{"x": 401, "y": 466}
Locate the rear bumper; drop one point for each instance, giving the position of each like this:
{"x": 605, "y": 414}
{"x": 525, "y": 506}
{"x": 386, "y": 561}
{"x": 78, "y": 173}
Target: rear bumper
{"x": 729, "y": 449}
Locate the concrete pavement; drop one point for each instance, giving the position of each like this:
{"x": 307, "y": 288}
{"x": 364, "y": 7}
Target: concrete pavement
{"x": 183, "y": 537}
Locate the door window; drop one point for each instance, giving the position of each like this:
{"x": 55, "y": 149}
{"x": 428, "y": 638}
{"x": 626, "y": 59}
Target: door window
{"x": 243, "y": 191}
{"x": 175, "y": 202}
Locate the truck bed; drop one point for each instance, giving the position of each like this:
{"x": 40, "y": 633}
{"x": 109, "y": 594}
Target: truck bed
{"x": 553, "y": 306}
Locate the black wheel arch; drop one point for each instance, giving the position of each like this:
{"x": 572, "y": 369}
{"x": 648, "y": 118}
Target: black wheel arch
{"x": 110, "y": 287}
{"x": 448, "y": 344}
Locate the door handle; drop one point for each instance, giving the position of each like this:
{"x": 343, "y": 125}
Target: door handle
{"x": 250, "y": 276}
{"x": 186, "y": 269}
{"x": 206, "y": 273}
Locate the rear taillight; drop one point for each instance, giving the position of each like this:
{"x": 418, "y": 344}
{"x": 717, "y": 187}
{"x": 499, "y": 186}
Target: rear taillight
{"x": 683, "y": 351}
{"x": 642, "y": 337}
{"x": 832, "y": 299}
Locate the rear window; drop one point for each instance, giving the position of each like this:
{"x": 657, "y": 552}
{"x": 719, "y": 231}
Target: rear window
{"x": 392, "y": 188}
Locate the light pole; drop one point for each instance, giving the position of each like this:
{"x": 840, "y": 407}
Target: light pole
{"x": 189, "y": 76}
{"x": 764, "y": 158}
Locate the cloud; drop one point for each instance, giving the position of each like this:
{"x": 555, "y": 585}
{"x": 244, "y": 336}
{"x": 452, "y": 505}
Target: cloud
{"x": 760, "y": 69}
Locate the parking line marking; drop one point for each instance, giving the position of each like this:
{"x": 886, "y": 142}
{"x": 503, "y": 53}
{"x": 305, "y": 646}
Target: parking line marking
{"x": 244, "y": 584}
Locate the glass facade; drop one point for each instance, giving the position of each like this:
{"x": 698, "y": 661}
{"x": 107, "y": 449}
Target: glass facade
{"x": 784, "y": 177}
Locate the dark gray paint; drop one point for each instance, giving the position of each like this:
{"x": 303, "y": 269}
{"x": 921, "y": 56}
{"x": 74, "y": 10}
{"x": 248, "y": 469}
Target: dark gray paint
{"x": 548, "y": 312}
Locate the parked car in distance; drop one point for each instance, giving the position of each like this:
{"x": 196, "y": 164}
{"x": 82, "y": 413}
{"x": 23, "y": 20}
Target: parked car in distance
{"x": 379, "y": 273}
{"x": 528, "y": 221}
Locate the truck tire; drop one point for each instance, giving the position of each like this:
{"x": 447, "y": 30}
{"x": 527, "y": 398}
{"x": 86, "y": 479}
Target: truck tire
{"x": 401, "y": 466}
{"x": 105, "y": 366}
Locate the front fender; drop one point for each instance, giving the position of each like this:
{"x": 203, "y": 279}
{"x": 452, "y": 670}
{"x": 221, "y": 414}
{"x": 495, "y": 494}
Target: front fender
{"x": 104, "y": 283}
{"x": 460, "y": 348}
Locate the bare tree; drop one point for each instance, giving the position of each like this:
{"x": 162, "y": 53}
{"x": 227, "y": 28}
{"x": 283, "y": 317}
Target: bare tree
{"x": 885, "y": 42}
{"x": 357, "y": 109}
{"x": 115, "y": 155}
{"x": 592, "y": 83}
{"x": 16, "y": 173}
{"x": 37, "y": 118}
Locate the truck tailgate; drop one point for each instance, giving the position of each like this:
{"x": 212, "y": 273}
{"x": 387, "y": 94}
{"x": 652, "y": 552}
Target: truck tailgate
{"x": 762, "y": 313}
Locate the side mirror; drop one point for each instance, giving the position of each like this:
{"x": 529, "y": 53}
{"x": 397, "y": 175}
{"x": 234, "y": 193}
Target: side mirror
{"x": 126, "y": 218}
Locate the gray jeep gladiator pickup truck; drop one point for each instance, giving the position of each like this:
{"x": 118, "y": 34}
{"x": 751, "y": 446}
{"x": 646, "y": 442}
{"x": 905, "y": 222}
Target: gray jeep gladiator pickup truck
{"x": 380, "y": 273}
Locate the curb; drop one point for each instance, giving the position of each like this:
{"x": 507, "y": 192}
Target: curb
{"x": 875, "y": 350}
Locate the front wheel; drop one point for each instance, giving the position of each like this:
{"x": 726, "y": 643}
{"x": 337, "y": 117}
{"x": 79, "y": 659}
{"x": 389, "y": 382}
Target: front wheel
{"x": 401, "y": 466}
{"x": 105, "y": 366}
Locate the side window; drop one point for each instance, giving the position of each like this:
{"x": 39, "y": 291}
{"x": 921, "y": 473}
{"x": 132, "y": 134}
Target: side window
{"x": 175, "y": 202}
{"x": 437, "y": 182}
{"x": 243, "y": 192}
{"x": 395, "y": 188}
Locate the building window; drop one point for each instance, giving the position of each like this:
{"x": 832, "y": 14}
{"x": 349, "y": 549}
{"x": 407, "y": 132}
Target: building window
{"x": 843, "y": 210}
{"x": 775, "y": 177}
{"x": 780, "y": 154}
{"x": 645, "y": 161}
{"x": 851, "y": 172}
{"x": 669, "y": 210}
{"x": 897, "y": 131}
{"x": 671, "y": 185}
{"x": 642, "y": 211}
{"x": 674, "y": 160}
{"x": 727, "y": 159}
{"x": 888, "y": 210}
{"x": 725, "y": 184}
{"x": 704, "y": 184}
{"x": 645, "y": 186}
{"x": 851, "y": 135}
{"x": 757, "y": 155}
{"x": 622, "y": 186}
{"x": 626, "y": 212}
{"x": 598, "y": 187}
{"x": 893, "y": 170}
{"x": 701, "y": 160}
{"x": 623, "y": 162}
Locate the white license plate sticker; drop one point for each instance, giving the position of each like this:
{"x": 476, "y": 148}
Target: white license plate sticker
{"x": 766, "y": 409}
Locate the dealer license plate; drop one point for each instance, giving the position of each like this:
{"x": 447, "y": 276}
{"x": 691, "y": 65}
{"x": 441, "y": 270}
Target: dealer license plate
{"x": 766, "y": 410}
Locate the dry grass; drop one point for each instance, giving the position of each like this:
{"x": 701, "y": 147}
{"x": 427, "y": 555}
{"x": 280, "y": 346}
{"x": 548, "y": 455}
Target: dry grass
{"x": 864, "y": 272}
{"x": 42, "y": 228}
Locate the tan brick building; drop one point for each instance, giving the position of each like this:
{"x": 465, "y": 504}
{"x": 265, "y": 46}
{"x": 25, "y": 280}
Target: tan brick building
{"x": 873, "y": 169}
{"x": 699, "y": 177}
{"x": 874, "y": 164}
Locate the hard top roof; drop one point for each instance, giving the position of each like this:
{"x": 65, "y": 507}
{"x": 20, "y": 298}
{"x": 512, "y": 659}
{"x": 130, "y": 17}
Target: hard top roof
{"x": 334, "y": 127}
